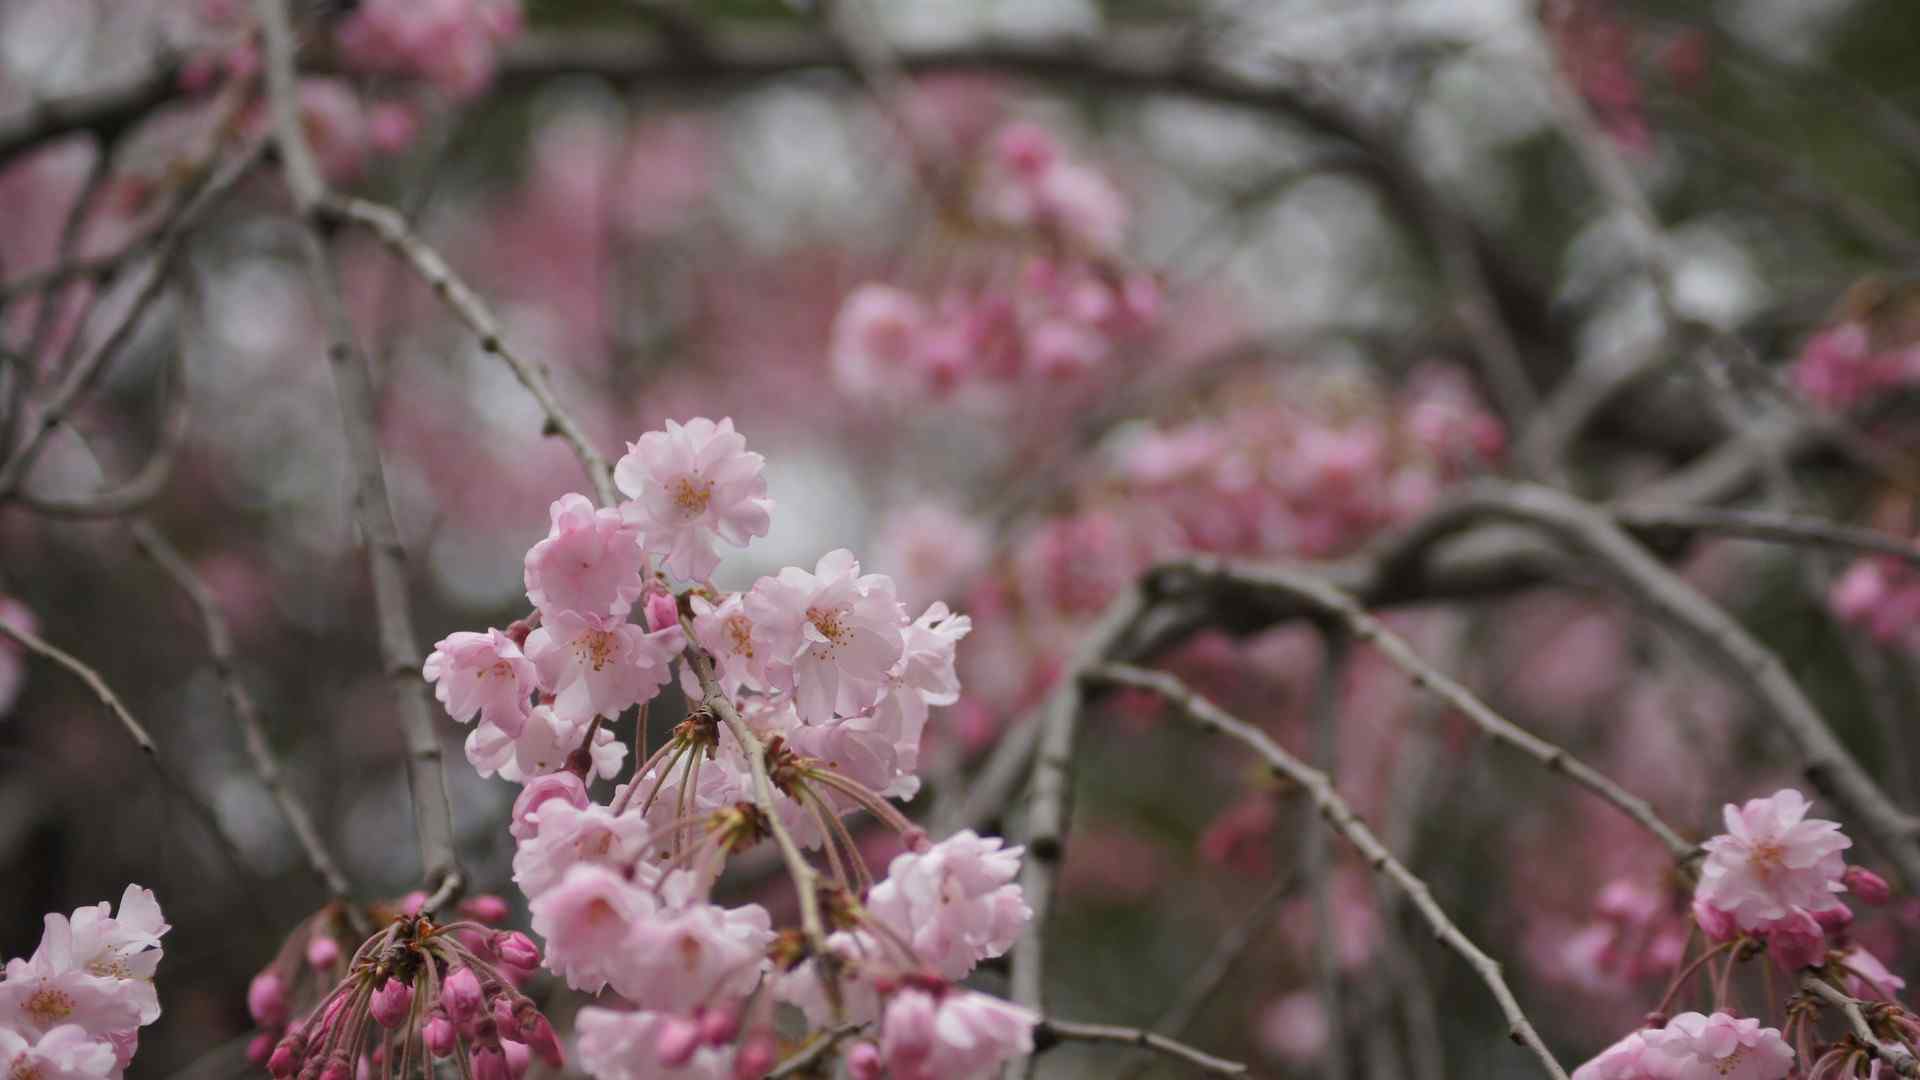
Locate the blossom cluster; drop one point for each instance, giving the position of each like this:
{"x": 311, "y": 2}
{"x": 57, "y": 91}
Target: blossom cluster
{"x": 1062, "y": 311}
{"x": 1881, "y": 595}
{"x": 74, "y": 1009}
{"x": 1843, "y": 365}
{"x": 817, "y": 676}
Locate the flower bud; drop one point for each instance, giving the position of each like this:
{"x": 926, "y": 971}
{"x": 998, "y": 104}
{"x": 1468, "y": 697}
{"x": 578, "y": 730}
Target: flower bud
{"x": 661, "y": 611}
{"x": 676, "y": 1042}
{"x": 260, "y": 1049}
{"x": 336, "y": 1069}
{"x": 509, "y": 1024}
{"x": 391, "y": 1003}
{"x": 411, "y": 903}
{"x": 490, "y": 1063}
{"x": 517, "y": 1059}
{"x": 322, "y": 952}
{"x": 863, "y": 1062}
{"x": 267, "y": 1000}
{"x": 1871, "y": 888}
{"x": 486, "y": 908}
{"x": 461, "y": 994}
{"x": 755, "y": 1057}
{"x": 439, "y": 1036}
{"x": 719, "y": 1026}
{"x": 1838, "y": 917}
{"x": 1797, "y": 941}
{"x": 287, "y": 1056}
{"x": 1716, "y": 924}
{"x": 541, "y": 1040}
{"x": 516, "y": 950}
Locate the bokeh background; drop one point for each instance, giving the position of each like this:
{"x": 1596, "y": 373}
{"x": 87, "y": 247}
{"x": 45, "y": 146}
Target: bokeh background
{"x": 673, "y": 223}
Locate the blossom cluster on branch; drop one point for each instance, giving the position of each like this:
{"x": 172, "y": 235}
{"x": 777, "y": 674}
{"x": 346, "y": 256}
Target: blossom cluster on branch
{"x": 73, "y": 1010}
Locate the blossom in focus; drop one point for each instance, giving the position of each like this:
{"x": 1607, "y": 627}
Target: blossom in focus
{"x": 485, "y": 675}
{"x": 626, "y": 1045}
{"x": 67, "y": 1052}
{"x": 589, "y": 563}
{"x": 1772, "y": 859}
{"x": 956, "y": 903}
{"x": 690, "y": 485}
{"x": 1718, "y": 1047}
{"x": 947, "y": 1033}
{"x": 596, "y": 666}
{"x": 831, "y": 636}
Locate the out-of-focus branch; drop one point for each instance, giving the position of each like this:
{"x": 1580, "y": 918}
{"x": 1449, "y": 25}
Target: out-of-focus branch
{"x": 209, "y": 820}
{"x": 1317, "y": 860}
{"x": 82, "y": 376}
{"x": 1589, "y": 531}
{"x": 143, "y": 486}
{"x": 1327, "y": 601}
{"x": 1207, "y": 979}
{"x": 1650, "y": 521}
{"x": 266, "y": 766}
{"x": 1045, "y": 831}
{"x": 392, "y": 229}
{"x": 1050, "y": 1033}
{"x": 103, "y": 113}
{"x": 1341, "y": 818}
{"x": 386, "y": 559}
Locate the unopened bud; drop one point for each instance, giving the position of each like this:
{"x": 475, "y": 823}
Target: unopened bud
{"x": 461, "y": 994}
{"x": 267, "y": 1000}
{"x": 719, "y": 1026}
{"x": 439, "y": 1036}
{"x": 516, "y": 950}
{"x": 486, "y": 908}
{"x": 322, "y": 952}
{"x": 1871, "y": 888}
{"x": 391, "y": 1003}
{"x": 676, "y": 1042}
{"x": 755, "y": 1057}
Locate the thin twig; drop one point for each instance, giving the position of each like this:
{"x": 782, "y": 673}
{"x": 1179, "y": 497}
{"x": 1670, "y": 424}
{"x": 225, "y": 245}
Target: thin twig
{"x": 815, "y": 1052}
{"x": 152, "y": 543}
{"x": 391, "y": 228}
{"x": 1766, "y": 525}
{"x": 1207, "y": 979}
{"x": 1825, "y": 761}
{"x": 1897, "y": 1056}
{"x": 1050, "y": 1033}
{"x": 145, "y": 485}
{"x": 1329, "y": 601}
{"x": 1340, "y": 817}
{"x": 1318, "y": 859}
{"x": 386, "y": 559}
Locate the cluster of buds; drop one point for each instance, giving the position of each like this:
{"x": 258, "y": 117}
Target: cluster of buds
{"x": 414, "y": 993}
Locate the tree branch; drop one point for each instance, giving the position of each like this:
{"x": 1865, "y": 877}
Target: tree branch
{"x": 1341, "y": 818}
{"x": 1050, "y": 1033}
{"x": 1897, "y": 1057}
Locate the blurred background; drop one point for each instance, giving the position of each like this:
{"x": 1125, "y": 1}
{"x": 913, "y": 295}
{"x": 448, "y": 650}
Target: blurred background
{"x": 1259, "y": 279}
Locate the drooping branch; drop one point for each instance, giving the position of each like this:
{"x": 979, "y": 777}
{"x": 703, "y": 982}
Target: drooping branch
{"x": 1895, "y": 1055}
{"x": 1341, "y": 818}
{"x": 1050, "y": 1033}
{"x": 1657, "y": 589}
{"x": 266, "y": 766}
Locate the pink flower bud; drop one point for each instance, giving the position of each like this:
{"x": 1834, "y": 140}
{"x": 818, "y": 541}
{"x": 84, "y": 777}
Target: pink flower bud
{"x": 1835, "y": 918}
{"x": 322, "y": 952}
{"x": 287, "y": 1056}
{"x": 439, "y": 1036}
{"x": 863, "y": 1062}
{"x": 461, "y": 994}
{"x": 718, "y": 1026}
{"x": 662, "y": 612}
{"x": 267, "y": 1000}
{"x": 336, "y": 1069}
{"x": 391, "y": 1003}
{"x": 1716, "y": 924}
{"x": 756, "y": 1056}
{"x": 676, "y": 1042}
{"x": 490, "y": 1063}
{"x": 517, "y": 1059}
{"x": 503, "y": 1016}
{"x": 541, "y": 1040}
{"x": 486, "y": 908}
{"x": 260, "y": 1049}
{"x": 1797, "y": 941}
{"x": 516, "y": 949}
{"x": 1871, "y": 888}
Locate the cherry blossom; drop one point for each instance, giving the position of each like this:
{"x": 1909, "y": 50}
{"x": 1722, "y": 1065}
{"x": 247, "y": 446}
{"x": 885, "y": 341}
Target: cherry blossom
{"x": 690, "y": 485}
{"x": 955, "y": 903}
{"x": 725, "y": 631}
{"x": 597, "y": 666}
{"x": 485, "y": 675}
{"x": 542, "y": 747}
{"x": 590, "y": 562}
{"x": 1718, "y": 1047}
{"x": 831, "y": 636}
{"x": 67, "y": 1052}
{"x": 568, "y": 834}
{"x": 1772, "y": 859}
{"x": 947, "y": 1033}
{"x": 625, "y": 1045}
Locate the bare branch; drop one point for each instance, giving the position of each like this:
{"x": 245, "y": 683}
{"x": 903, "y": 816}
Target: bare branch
{"x": 1762, "y": 525}
{"x": 105, "y": 113}
{"x": 1644, "y": 578}
{"x": 1897, "y": 1056}
{"x": 1050, "y": 1033}
{"x": 143, "y": 486}
{"x": 392, "y": 229}
{"x": 1341, "y": 818}
{"x": 157, "y": 547}
{"x": 1328, "y": 601}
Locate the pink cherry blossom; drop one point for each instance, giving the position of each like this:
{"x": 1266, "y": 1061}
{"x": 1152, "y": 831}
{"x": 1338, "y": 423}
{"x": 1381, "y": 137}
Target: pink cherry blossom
{"x": 951, "y": 1034}
{"x": 563, "y": 786}
{"x": 931, "y": 551}
{"x": 1772, "y": 859}
{"x": 622, "y": 1045}
{"x": 876, "y": 338}
{"x": 1796, "y": 941}
{"x": 590, "y": 562}
{"x": 1717, "y": 1047}
{"x": 67, "y": 1052}
{"x": 690, "y": 485}
{"x": 725, "y": 631}
{"x": 696, "y": 954}
{"x": 596, "y": 666}
{"x": 485, "y": 675}
{"x": 1867, "y": 977}
{"x": 832, "y": 636}
{"x": 1624, "y": 1060}
{"x": 542, "y": 747}
{"x": 955, "y": 903}
{"x": 587, "y": 918}
{"x": 568, "y": 835}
